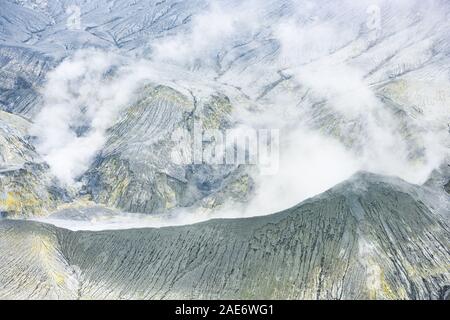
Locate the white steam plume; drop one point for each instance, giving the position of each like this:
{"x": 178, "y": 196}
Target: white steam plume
{"x": 322, "y": 49}
{"x": 81, "y": 100}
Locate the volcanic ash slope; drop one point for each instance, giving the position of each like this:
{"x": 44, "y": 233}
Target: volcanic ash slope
{"x": 370, "y": 237}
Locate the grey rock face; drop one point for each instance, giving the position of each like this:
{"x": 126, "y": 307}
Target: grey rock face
{"x": 29, "y": 190}
{"x": 35, "y": 36}
{"x": 15, "y": 147}
{"x": 365, "y": 239}
{"x": 26, "y": 185}
{"x": 137, "y": 172}
{"x": 22, "y": 72}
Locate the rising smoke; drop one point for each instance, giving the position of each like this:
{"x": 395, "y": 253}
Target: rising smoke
{"x": 332, "y": 118}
